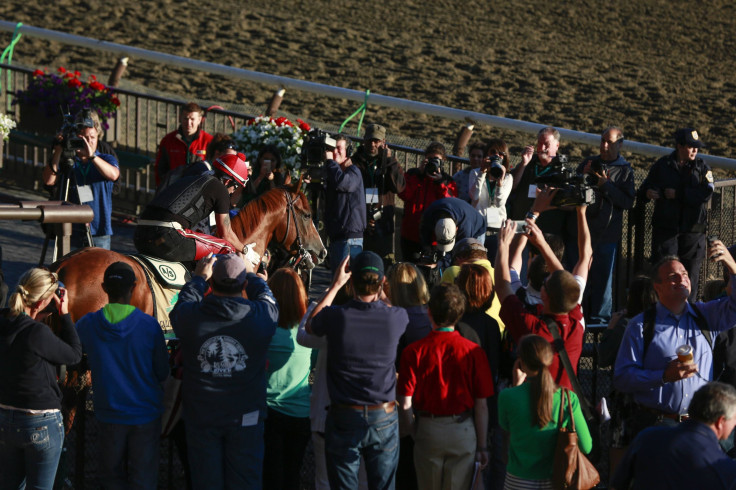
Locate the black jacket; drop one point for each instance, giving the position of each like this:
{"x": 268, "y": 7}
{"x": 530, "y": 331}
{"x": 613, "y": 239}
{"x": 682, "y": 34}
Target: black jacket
{"x": 693, "y": 184}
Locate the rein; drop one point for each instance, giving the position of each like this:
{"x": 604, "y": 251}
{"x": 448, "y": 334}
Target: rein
{"x": 302, "y": 253}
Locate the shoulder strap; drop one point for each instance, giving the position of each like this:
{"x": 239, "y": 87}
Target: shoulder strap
{"x": 559, "y": 347}
{"x": 569, "y": 408}
{"x": 702, "y": 324}
{"x": 561, "y": 414}
{"x": 650, "y": 316}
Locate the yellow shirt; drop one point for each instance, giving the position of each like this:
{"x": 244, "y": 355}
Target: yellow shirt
{"x": 494, "y": 311}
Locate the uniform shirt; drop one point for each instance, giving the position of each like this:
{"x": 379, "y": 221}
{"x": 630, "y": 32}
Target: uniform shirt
{"x": 362, "y": 339}
{"x": 643, "y": 377}
{"x": 445, "y": 374}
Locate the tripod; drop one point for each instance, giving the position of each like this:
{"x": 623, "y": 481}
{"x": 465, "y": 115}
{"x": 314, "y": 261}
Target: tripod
{"x": 55, "y": 232}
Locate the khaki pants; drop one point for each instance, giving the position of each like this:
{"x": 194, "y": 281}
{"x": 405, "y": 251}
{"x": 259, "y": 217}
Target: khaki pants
{"x": 444, "y": 453}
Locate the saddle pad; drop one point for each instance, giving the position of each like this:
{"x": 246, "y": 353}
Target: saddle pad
{"x": 168, "y": 274}
{"x": 164, "y": 298}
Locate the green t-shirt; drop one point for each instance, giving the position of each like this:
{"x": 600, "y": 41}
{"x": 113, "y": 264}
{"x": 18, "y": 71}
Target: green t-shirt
{"x": 289, "y": 363}
{"x": 531, "y": 449}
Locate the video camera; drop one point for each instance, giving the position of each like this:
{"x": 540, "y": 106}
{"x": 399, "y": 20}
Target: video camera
{"x": 316, "y": 144}
{"x": 70, "y": 142}
{"x": 573, "y": 189}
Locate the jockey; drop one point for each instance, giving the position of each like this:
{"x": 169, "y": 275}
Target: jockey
{"x": 164, "y": 228}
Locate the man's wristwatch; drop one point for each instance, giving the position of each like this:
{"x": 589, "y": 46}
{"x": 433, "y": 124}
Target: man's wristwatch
{"x": 530, "y": 215}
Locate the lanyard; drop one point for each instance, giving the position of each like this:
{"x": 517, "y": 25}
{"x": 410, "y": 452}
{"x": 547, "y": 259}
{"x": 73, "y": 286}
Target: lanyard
{"x": 84, "y": 170}
{"x": 491, "y": 190}
{"x": 445, "y": 329}
{"x": 537, "y": 173}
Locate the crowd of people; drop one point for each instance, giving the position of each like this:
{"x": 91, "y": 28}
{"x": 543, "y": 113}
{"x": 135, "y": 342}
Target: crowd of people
{"x": 445, "y": 370}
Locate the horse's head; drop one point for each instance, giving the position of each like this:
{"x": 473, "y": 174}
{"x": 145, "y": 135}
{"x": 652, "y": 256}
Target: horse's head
{"x": 281, "y": 216}
{"x": 303, "y": 236}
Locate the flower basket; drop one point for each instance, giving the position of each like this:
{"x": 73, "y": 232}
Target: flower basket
{"x": 48, "y": 94}
{"x": 280, "y": 132}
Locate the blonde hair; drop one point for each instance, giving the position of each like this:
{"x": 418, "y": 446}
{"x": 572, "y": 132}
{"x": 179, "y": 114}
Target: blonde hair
{"x": 406, "y": 286}
{"x": 34, "y": 285}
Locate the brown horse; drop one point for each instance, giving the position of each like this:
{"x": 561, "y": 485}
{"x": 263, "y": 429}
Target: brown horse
{"x": 281, "y": 216}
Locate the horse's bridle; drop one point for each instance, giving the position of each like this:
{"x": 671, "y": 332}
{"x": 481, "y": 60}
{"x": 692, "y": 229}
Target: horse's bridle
{"x": 303, "y": 258}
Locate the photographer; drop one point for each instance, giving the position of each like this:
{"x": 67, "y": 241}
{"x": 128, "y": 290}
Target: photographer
{"x": 614, "y": 193}
{"x": 91, "y": 175}
{"x": 344, "y": 203}
{"x": 490, "y": 186}
{"x": 424, "y": 185}
{"x": 383, "y": 177}
{"x": 445, "y": 221}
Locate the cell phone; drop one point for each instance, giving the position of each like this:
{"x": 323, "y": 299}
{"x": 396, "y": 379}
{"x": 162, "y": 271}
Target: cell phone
{"x": 712, "y": 239}
{"x": 521, "y": 226}
{"x": 261, "y": 268}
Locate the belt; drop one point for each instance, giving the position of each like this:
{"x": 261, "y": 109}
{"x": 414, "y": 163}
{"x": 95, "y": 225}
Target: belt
{"x": 388, "y": 407}
{"x": 492, "y": 231}
{"x": 164, "y": 224}
{"x": 458, "y": 417}
{"x": 677, "y": 417}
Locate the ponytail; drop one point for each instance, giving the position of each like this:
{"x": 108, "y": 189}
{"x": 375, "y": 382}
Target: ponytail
{"x": 34, "y": 285}
{"x": 537, "y": 355}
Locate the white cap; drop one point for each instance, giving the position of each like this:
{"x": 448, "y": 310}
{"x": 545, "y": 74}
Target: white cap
{"x": 445, "y": 231}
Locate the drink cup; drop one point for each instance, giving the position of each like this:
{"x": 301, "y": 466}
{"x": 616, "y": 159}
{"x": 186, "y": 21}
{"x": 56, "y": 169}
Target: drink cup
{"x": 685, "y": 353}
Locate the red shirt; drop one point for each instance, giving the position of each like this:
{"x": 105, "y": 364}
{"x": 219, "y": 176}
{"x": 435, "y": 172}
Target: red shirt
{"x": 420, "y": 192}
{"x": 520, "y": 322}
{"x": 444, "y": 373}
{"x": 174, "y": 152}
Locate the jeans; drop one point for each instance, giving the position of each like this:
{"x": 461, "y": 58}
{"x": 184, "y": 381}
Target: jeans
{"x": 598, "y": 290}
{"x": 102, "y": 241}
{"x": 30, "y": 447}
{"x": 373, "y": 434}
{"x": 225, "y": 457}
{"x": 129, "y": 455}
{"x": 339, "y": 249}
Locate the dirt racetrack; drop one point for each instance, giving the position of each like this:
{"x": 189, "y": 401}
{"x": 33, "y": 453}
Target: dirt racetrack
{"x": 649, "y": 66}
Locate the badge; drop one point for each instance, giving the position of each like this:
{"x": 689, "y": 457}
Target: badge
{"x": 250, "y": 419}
{"x": 371, "y": 195}
{"x": 532, "y": 192}
{"x": 709, "y": 176}
{"x": 85, "y": 194}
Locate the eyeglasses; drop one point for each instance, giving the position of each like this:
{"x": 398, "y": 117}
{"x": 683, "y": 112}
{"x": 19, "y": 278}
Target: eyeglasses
{"x": 231, "y": 146}
{"x": 54, "y": 282}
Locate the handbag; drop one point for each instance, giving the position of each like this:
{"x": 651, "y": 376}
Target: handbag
{"x": 571, "y": 470}
{"x": 591, "y": 416}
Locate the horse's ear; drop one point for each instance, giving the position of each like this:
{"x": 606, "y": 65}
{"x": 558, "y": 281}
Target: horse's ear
{"x": 295, "y": 187}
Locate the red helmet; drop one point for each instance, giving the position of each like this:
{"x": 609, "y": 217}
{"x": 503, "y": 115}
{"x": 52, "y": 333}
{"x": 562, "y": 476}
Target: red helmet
{"x": 232, "y": 166}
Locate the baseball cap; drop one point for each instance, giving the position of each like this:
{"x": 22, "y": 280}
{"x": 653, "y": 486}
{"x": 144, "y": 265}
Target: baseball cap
{"x": 367, "y": 262}
{"x": 688, "y": 137}
{"x": 119, "y": 275}
{"x": 444, "y": 232}
{"x": 375, "y": 132}
{"x": 468, "y": 244}
{"x": 228, "y": 271}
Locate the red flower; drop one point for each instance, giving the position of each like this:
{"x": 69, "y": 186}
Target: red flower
{"x": 95, "y": 85}
{"x": 38, "y": 73}
{"x": 77, "y": 74}
{"x": 303, "y": 126}
{"x": 62, "y": 69}
{"x": 115, "y": 100}
{"x": 74, "y": 83}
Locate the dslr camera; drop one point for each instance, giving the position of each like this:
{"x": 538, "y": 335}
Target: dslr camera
{"x": 316, "y": 143}
{"x": 573, "y": 189}
{"x": 495, "y": 166}
{"x": 433, "y": 166}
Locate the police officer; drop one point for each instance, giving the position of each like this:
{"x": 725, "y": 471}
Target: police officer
{"x": 680, "y": 184}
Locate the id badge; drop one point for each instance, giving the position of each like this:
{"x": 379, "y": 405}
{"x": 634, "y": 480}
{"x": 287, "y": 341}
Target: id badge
{"x": 532, "y": 191}
{"x": 371, "y": 195}
{"x": 212, "y": 219}
{"x": 250, "y": 419}
{"x": 85, "y": 194}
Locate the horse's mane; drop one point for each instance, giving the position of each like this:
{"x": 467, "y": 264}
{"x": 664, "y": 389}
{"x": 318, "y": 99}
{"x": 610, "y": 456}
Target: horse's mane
{"x": 256, "y": 210}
